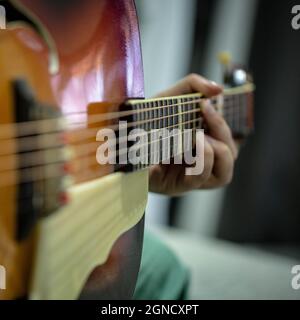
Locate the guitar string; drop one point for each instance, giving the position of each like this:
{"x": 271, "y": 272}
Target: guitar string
{"x": 57, "y": 170}
{"x": 86, "y": 150}
{"x": 47, "y": 129}
{"x": 31, "y": 161}
{"x": 79, "y": 149}
{"x": 84, "y": 133}
{"x": 93, "y": 130}
{"x": 31, "y": 127}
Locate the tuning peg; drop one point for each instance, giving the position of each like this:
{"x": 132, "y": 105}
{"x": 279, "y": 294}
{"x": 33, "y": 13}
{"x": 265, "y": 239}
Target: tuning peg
{"x": 234, "y": 75}
{"x": 224, "y": 58}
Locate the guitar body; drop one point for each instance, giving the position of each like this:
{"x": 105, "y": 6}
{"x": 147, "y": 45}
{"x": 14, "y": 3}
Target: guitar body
{"x": 70, "y": 227}
{"x": 98, "y": 66}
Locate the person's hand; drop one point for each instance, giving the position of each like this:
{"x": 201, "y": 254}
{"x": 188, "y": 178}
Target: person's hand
{"x": 220, "y": 151}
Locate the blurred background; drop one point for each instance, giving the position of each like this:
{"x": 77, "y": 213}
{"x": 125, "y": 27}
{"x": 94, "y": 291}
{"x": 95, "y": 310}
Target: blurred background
{"x": 242, "y": 241}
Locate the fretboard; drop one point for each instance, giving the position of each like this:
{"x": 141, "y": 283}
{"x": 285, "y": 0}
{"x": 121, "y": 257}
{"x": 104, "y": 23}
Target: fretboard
{"x": 184, "y": 112}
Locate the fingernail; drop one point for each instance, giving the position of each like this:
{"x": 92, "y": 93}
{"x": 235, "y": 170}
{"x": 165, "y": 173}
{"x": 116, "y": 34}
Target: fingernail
{"x": 214, "y": 84}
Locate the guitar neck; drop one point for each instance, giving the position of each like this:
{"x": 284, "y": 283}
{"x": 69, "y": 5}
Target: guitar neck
{"x": 185, "y": 113}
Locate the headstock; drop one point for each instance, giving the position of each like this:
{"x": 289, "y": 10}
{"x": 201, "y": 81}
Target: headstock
{"x": 234, "y": 75}
{"x": 239, "y": 85}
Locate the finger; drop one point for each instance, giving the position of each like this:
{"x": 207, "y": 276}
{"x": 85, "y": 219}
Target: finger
{"x": 218, "y": 128}
{"x": 196, "y": 182}
{"x": 193, "y": 83}
{"x": 223, "y": 162}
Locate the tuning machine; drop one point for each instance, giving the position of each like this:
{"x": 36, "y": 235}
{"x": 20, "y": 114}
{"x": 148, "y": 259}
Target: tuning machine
{"x": 234, "y": 75}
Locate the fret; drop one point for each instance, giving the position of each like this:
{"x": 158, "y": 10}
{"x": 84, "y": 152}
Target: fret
{"x": 168, "y": 114}
{"x": 163, "y": 112}
{"x": 156, "y": 112}
{"x": 228, "y": 112}
{"x": 139, "y": 107}
{"x": 172, "y": 123}
{"x": 152, "y": 123}
{"x": 148, "y": 123}
{"x": 233, "y": 112}
{"x": 180, "y": 120}
{"x": 174, "y": 109}
{"x": 246, "y": 116}
{"x": 160, "y": 115}
{"x": 151, "y": 115}
{"x": 137, "y": 115}
{"x": 181, "y": 126}
{"x": 145, "y": 119}
{"x": 142, "y": 118}
{"x": 185, "y": 113}
{"x": 153, "y": 126}
{"x": 237, "y": 113}
{"x": 191, "y": 113}
{"x": 194, "y": 125}
{"x": 244, "y": 111}
{"x": 165, "y": 123}
{"x": 182, "y": 113}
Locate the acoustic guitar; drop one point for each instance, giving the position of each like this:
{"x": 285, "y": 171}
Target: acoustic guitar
{"x": 69, "y": 227}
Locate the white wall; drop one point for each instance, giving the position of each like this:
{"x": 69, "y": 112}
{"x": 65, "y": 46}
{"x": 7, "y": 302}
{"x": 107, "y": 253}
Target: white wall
{"x": 167, "y": 37}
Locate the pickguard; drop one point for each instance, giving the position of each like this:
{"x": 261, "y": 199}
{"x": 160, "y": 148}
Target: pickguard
{"x": 79, "y": 237}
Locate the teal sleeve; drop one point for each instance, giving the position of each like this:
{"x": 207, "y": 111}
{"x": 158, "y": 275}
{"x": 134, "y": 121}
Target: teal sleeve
{"x": 162, "y": 275}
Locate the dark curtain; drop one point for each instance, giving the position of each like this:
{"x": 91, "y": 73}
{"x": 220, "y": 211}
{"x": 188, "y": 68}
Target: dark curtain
{"x": 263, "y": 203}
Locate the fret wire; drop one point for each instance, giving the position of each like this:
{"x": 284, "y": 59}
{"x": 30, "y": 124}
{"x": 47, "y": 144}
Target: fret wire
{"x": 194, "y": 124}
{"x": 234, "y": 113}
{"x": 158, "y": 114}
{"x": 26, "y": 127}
{"x": 173, "y": 123}
{"x": 164, "y": 109}
{"x": 185, "y": 116}
{"x": 238, "y": 129}
{"x": 159, "y": 153}
{"x": 153, "y": 115}
{"x": 228, "y": 111}
{"x": 161, "y": 114}
{"x": 171, "y": 114}
{"x": 245, "y": 108}
{"x": 182, "y": 104}
{"x": 176, "y": 118}
{"x": 191, "y": 114}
